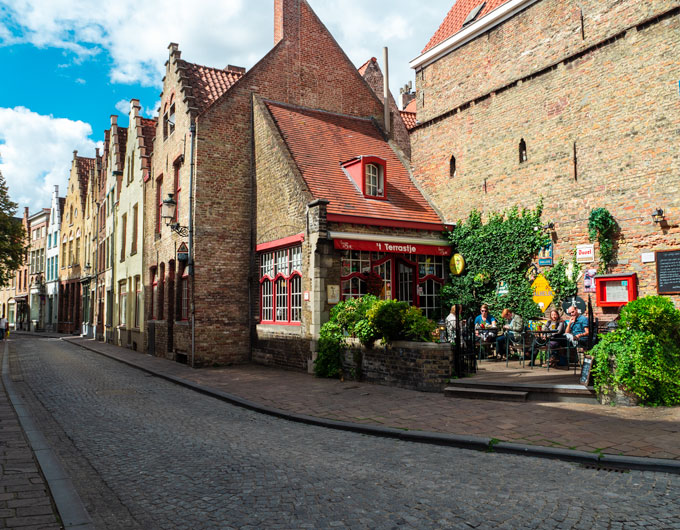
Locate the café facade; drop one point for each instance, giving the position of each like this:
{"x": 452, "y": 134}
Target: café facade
{"x": 338, "y": 216}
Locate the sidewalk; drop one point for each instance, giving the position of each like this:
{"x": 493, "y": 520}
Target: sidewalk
{"x": 647, "y": 438}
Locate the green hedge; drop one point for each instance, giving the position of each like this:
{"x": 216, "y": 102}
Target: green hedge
{"x": 642, "y": 356}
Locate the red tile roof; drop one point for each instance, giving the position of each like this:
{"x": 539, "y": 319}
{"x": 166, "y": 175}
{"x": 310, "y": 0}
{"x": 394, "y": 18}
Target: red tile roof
{"x": 84, "y": 166}
{"x": 363, "y": 67}
{"x": 409, "y": 119}
{"x": 453, "y": 22}
{"x": 319, "y": 141}
{"x": 411, "y": 107}
{"x": 207, "y": 84}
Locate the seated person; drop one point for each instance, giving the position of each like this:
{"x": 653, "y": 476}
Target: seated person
{"x": 485, "y": 326}
{"x": 556, "y": 340}
{"x": 577, "y": 328}
{"x": 514, "y": 329}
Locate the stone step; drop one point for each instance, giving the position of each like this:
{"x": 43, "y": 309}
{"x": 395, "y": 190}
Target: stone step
{"x": 481, "y": 393}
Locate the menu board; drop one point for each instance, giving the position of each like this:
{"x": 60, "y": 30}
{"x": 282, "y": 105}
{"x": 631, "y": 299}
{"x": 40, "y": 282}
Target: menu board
{"x": 668, "y": 271}
{"x": 616, "y": 291}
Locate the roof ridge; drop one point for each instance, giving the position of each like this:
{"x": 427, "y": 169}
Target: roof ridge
{"x": 322, "y": 111}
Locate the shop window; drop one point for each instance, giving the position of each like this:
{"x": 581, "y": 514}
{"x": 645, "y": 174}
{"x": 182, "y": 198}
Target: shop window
{"x": 281, "y": 286}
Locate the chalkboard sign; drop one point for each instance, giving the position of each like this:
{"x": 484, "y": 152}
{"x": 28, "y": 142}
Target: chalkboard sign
{"x": 585, "y": 370}
{"x": 668, "y": 271}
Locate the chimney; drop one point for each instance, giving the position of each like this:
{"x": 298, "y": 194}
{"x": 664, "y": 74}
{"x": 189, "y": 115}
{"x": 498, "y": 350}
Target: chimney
{"x": 407, "y": 94}
{"x": 286, "y": 19}
{"x": 386, "y": 91}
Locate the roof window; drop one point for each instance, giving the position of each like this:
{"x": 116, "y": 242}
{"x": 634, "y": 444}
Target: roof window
{"x": 472, "y": 16}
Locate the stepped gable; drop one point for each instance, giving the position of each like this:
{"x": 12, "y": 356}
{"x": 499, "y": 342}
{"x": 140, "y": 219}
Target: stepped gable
{"x": 148, "y": 127}
{"x": 85, "y": 167}
{"x": 203, "y": 85}
{"x": 321, "y": 141}
{"x": 453, "y": 22}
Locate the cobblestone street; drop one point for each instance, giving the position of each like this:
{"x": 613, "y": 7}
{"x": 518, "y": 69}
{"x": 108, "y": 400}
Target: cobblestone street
{"x": 144, "y": 453}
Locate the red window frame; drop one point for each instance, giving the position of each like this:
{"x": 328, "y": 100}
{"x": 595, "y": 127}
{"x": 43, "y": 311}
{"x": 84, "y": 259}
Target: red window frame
{"x": 382, "y": 166}
{"x": 184, "y": 297}
{"x": 275, "y": 279}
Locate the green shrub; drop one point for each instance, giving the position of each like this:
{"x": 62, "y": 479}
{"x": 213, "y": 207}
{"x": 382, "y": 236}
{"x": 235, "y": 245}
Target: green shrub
{"x": 642, "y": 356}
{"x": 418, "y": 327}
{"x": 350, "y": 312}
{"x": 395, "y": 320}
{"x": 366, "y": 333}
{"x": 329, "y": 358}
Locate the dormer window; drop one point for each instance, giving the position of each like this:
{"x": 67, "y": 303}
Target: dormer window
{"x": 375, "y": 181}
{"x": 369, "y": 175}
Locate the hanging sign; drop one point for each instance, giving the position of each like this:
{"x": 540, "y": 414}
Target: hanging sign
{"x": 399, "y": 248}
{"x": 543, "y": 293}
{"x": 502, "y": 289}
{"x": 457, "y": 264}
{"x": 585, "y": 253}
{"x": 545, "y": 256}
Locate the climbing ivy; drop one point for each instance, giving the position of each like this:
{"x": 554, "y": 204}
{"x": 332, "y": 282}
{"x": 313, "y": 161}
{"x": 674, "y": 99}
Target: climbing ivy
{"x": 562, "y": 280}
{"x": 501, "y": 249}
{"x": 602, "y": 226}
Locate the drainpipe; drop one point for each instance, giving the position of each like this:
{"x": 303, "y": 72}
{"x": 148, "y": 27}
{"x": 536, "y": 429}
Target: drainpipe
{"x": 386, "y": 91}
{"x": 192, "y": 130}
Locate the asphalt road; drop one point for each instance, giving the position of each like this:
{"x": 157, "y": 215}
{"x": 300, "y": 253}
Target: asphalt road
{"x": 144, "y": 453}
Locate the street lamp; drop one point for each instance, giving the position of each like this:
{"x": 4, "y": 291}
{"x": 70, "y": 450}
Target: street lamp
{"x": 168, "y": 213}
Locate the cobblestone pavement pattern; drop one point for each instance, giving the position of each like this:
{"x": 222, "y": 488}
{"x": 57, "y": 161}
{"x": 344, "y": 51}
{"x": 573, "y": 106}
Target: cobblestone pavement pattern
{"x": 24, "y": 498}
{"x": 178, "y": 459}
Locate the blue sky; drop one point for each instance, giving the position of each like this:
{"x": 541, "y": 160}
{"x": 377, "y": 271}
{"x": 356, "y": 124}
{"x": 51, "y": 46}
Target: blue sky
{"x": 69, "y": 64}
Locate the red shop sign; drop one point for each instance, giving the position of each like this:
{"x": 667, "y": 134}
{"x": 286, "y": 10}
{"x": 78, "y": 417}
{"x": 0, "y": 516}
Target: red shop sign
{"x": 397, "y": 248}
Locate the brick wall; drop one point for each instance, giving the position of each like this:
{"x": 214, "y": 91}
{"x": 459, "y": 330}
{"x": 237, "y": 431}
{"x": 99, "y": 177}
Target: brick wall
{"x": 600, "y": 128}
{"x": 414, "y": 365}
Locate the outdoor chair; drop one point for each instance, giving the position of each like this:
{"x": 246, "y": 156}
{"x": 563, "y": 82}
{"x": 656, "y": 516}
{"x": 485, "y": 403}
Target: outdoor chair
{"x": 518, "y": 344}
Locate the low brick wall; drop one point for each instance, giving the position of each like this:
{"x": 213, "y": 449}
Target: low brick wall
{"x": 423, "y": 366}
{"x": 285, "y": 349}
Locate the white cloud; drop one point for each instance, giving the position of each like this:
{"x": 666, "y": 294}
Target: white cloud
{"x": 36, "y": 153}
{"x": 123, "y": 106}
{"x": 213, "y": 32}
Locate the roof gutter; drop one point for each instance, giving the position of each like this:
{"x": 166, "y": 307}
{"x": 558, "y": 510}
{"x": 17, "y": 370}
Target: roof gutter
{"x": 471, "y": 32}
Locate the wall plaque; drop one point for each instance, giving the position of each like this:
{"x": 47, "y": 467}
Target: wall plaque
{"x": 668, "y": 271}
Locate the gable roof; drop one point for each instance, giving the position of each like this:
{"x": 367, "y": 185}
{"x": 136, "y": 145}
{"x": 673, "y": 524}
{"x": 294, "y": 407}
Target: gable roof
{"x": 454, "y": 20}
{"x": 205, "y": 84}
{"x": 320, "y": 141}
{"x": 362, "y": 69}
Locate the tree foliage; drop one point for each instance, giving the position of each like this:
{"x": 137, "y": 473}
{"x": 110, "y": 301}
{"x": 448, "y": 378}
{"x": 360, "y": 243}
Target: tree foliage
{"x": 12, "y": 236}
{"x": 501, "y": 249}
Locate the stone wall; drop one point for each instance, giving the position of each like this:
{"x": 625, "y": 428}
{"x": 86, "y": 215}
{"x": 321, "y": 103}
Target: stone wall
{"x": 422, "y": 366}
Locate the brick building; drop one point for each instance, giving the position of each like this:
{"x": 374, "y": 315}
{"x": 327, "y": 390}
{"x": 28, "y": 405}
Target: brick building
{"x": 71, "y": 245}
{"x": 203, "y": 156}
{"x": 38, "y": 223}
{"x": 574, "y": 102}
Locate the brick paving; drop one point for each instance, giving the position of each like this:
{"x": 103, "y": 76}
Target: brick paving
{"x": 627, "y": 431}
{"x": 25, "y": 501}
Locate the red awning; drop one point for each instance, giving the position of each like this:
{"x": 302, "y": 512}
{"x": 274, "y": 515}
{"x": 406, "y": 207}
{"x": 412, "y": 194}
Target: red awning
{"x": 392, "y": 247}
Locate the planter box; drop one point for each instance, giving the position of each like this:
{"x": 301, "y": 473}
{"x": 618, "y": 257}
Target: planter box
{"x": 424, "y": 366}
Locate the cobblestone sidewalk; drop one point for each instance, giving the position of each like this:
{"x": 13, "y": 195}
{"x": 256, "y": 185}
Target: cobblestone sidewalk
{"x": 25, "y": 501}
{"x": 631, "y": 432}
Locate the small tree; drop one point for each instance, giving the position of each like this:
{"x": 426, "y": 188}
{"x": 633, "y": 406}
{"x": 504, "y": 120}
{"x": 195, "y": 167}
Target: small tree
{"x": 500, "y": 250}
{"x": 12, "y": 236}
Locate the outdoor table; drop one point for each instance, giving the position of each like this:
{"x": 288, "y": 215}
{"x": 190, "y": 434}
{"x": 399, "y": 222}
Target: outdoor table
{"x": 540, "y": 338}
